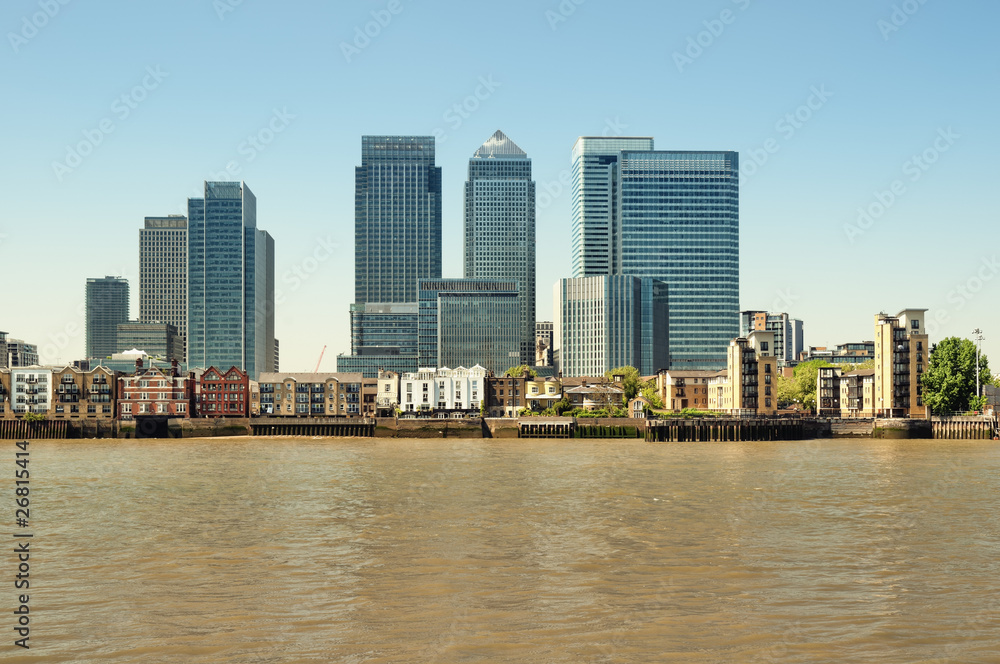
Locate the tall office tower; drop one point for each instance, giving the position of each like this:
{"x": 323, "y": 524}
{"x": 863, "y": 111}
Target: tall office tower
{"x": 157, "y": 340}
{"x": 596, "y": 201}
{"x": 500, "y": 226}
{"x": 230, "y": 282}
{"x": 163, "y": 273}
{"x": 787, "y": 333}
{"x": 602, "y": 323}
{"x": 680, "y": 223}
{"x": 465, "y": 322}
{"x": 382, "y": 336}
{"x": 397, "y": 218}
{"x": 107, "y": 308}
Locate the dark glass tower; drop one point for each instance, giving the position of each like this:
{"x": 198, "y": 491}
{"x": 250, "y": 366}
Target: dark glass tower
{"x": 397, "y": 218}
{"x": 500, "y": 228}
{"x": 230, "y": 281}
{"x": 107, "y": 308}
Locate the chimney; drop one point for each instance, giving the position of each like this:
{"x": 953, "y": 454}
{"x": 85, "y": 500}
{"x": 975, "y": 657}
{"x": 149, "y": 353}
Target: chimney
{"x": 138, "y": 364}
{"x": 174, "y": 368}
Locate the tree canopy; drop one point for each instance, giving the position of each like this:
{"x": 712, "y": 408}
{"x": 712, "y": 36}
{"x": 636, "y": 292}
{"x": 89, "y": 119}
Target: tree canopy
{"x": 801, "y": 387}
{"x": 518, "y": 371}
{"x": 949, "y": 384}
{"x": 632, "y": 383}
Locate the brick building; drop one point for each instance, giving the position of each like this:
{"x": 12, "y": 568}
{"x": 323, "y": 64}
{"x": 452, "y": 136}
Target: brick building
{"x": 155, "y": 391}
{"x": 223, "y": 393}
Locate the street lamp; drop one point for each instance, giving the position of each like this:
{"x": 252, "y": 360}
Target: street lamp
{"x": 978, "y": 336}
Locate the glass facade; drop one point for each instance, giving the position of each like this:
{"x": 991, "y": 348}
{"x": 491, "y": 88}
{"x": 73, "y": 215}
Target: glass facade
{"x": 107, "y": 308}
{"x": 368, "y": 365}
{"x": 465, "y": 322}
{"x": 384, "y": 325}
{"x": 611, "y": 321}
{"x": 397, "y": 218}
{"x": 680, "y": 223}
{"x": 595, "y": 202}
{"x": 230, "y": 281}
{"x": 500, "y": 226}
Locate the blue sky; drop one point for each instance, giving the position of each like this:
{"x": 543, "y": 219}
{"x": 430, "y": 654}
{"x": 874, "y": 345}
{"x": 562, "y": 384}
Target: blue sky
{"x": 828, "y": 104}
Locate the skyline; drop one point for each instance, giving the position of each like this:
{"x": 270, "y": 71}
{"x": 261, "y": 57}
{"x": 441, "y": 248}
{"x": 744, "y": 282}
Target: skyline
{"x": 884, "y": 124}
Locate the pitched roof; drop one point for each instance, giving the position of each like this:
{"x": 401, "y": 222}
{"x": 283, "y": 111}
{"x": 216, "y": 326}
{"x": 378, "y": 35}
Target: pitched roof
{"x": 498, "y": 145}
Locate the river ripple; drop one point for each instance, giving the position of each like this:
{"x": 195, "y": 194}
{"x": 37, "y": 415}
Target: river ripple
{"x": 225, "y": 551}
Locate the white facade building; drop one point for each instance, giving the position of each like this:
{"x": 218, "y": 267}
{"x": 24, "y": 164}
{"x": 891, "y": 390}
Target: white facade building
{"x": 31, "y": 390}
{"x": 456, "y": 390}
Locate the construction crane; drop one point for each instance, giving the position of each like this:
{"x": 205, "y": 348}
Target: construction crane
{"x": 316, "y": 370}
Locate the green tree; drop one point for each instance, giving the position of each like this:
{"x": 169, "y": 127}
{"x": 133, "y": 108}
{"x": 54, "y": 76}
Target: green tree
{"x": 801, "y": 387}
{"x": 652, "y": 395}
{"x": 949, "y": 384}
{"x": 33, "y": 417}
{"x": 518, "y": 371}
{"x": 632, "y": 382}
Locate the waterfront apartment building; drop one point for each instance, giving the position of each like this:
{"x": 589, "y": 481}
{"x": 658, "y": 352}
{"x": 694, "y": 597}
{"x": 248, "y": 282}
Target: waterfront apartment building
{"x": 80, "y": 394}
{"x": 387, "y": 393}
{"x": 445, "y": 392}
{"x": 788, "y": 333}
{"x": 828, "y": 392}
{"x": 901, "y": 355}
{"x": 155, "y": 391}
{"x": 749, "y": 384}
{"x": 310, "y": 395}
{"x": 464, "y": 322}
{"x": 230, "y": 281}
{"x": 25, "y": 390}
{"x": 506, "y": 396}
{"x": 107, "y": 306}
{"x": 163, "y": 275}
{"x": 159, "y": 340}
{"x": 500, "y": 227}
{"x": 680, "y": 389}
{"x": 223, "y": 393}
{"x": 610, "y": 321}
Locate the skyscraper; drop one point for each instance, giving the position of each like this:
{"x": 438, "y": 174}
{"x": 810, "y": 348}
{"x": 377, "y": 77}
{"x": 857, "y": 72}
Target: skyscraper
{"x": 397, "y": 241}
{"x": 602, "y": 323}
{"x": 680, "y": 223}
{"x": 163, "y": 273}
{"x": 230, "y": 281}
{"x": 500, "y": 227}
{"x": 107, "y": 307}
{"x": 595, "y": 204}
{"x": 397, "y": 218}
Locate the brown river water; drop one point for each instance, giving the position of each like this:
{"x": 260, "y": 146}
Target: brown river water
{"x": 302, "y": 550}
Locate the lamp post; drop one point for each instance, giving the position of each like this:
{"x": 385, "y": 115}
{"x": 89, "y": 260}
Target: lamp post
{"x": 978, "y": 336}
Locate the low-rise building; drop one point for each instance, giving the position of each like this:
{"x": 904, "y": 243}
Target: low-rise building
{"x": 223, "y": 393}
{"x": 849, "y": 353}
{"x": 387, "y": 399}
{"x": 506, "y": 396}
{"x": 828, "y": 392}
{"x": 594, "y": 397}
{"x": 84, "y": 394}
{"x": 682, "y": 389}
{"x": 543, "y": 392}
{"x": 455, "y": 392}
{"x": 25, "y": 390}
{"x": 155, "y": 391}
{"x": 310, "y": 394}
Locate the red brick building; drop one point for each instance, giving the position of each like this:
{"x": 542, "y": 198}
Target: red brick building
{"x": 155, "y": 391}
{"x": 223, "y": 393}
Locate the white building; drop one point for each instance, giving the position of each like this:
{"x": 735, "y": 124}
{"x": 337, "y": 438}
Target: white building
{"x": 387, "y": 397}
{"x": 31, "y": 390}
{"x": 443, "y": 390}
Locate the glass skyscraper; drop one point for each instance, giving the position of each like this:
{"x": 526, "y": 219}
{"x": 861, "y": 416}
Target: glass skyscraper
{"x": 230, "y": 282}
{"x": 680, "y": 223}
{"x": 602, "y": 323}
{"x": 107, "y": 308}
{"x": 465, "y": 322}
{"x": 500, "y": 227}
{"x": 595, "y": 202}
{"x": 397, "y": 218}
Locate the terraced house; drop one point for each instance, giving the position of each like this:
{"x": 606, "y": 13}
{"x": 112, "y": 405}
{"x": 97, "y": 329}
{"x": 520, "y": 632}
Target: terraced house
{"x": 155, "y": 391}
{"x": 83, "y": 394}
{"x": 223, "y": 393}
{"x": 310, "y": 395}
